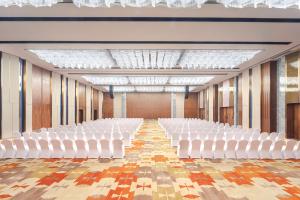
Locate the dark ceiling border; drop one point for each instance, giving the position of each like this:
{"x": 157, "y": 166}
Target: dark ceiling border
{"x": 151, "y": 19}
{"x": 149, "y": 42}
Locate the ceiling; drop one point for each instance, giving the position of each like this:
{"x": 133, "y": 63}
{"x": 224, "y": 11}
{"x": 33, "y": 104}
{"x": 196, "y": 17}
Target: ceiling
{"x": 64, "y": 26}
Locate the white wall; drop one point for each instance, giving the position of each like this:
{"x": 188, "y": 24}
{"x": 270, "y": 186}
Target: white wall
{"x": 71, "y": 101}
{"x": 180, "y": 105}
{"x": 100, "y": 104}
{"x": 10, "y": 99}
{"x": 210, "y": 102}
{"x": 245, "y": 98}
{"x": 88, "y": 97}
{"x": 117, "y": 101}
{"x": 56, "y": 92}
{"x": 256, "y": 97}
{"x": 28, "y": 114}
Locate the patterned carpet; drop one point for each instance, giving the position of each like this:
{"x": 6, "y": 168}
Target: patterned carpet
{"x": 151, "y": 170}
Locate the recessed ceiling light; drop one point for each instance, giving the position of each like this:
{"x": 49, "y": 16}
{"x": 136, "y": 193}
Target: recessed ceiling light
{"x": 149, "y": 88}
{"x": 215, "y": 59}
{"x": 76, "y": 59}
{"x": 148, "y": 80}
{"x": 35, "y": 3}
{"x": 190, "y": 80}
{"x": 106, "y": 80}
{"x": 144, "y": 59}
{"x": 121, "y": 88}
{"x": 261, "y": 3}
{"x": 140, "y": 3}
{"x": 177, "y": 89}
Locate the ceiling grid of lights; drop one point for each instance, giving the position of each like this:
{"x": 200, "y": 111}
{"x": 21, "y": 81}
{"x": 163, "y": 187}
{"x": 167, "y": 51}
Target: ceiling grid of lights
{"x": 148, "y": 80}
{"x": 282, "y": 4}
{"x": 76, "y": 59}
{"x": 215, "y": 59}
{"x": 146, "y": 59}
{"x": 107, "y": 80}
{"x": 21, "y": 3}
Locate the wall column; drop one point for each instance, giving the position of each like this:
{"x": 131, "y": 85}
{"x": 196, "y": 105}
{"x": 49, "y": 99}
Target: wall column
{"x": 281, "y": 103}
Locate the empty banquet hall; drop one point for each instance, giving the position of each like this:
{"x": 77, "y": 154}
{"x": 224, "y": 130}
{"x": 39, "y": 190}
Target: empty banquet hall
{"x": 150, "y": 99}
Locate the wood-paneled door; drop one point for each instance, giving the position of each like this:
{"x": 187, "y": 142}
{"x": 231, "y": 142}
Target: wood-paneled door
{"x": 227, "y": 115}
{"x": 202, "y": 113}
{"x": 148, "y": 105}
{"x": 108, "y": 106}
{"x": 191, "y": 106}
{"x": 41, "y": 98}
{"x": 293, "y": 120}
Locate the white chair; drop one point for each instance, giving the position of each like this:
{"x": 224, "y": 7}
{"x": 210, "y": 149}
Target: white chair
{"x": 52, "y": 136}
{"x": 288, "y": 152}
{"x": 273, "y": 136}
{"x": 105, "y": 148}
{"x": 207, "y": 151}
{"x": 253, "y": 149}
{"x": 281, "y": 136}
{"x": 247, "y": 136}
{"x": 238, "y": 136}
{"x": 93, "y": 149}
{"x": 255, "y": 136}
{"x": 126, "y": 139}
{"x": 263, "y": 136}
{"x": 9, "y": 149}
{"x": 276, "y": 151}
{"x": 26, "y": 135}
{"x": 175, "y": 139}
{"x": 219, "y": 149}
{"x": 69, "y": 148}
{"x": 2, "y": 151}
{"x": 45, "y": 149}
{"x": 196, "y": 149}
{"x": 230, "y": 149}
{"x": 21, "y": 151}
{"x": 33, "y": 150}
{"x": 118, "y": 148}
{"x": 241, "y": 149}
{"x": 81, "y": 151}
{"x": 183, "y": 148}
{"x": 264, "y": 152}
{"x": 297, "y": 150}
{"x": 57, "y": 149}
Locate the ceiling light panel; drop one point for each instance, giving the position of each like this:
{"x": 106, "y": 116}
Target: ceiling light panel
{"x": 149, "y": 88}
{"x": 140, "y": 3}
{"x": 35, "y": 3}
{"x": 190, "y": 80}
{"x": 76, "y": 59}
{"x": 148, "y": 80}
{"x": 146, "y": 59}
{"x": 215, "y": 59}
{"x": 121, "y": 88}
{"x": 261, "y": 3}
{"x": 177, "y": 89}
{"x": 107, "y": 80}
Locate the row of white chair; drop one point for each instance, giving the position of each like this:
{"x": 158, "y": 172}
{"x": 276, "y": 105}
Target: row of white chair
{"x": 175, "y": 137}
{"x": 234, "y": 149}
{"x": 55, "y": 148}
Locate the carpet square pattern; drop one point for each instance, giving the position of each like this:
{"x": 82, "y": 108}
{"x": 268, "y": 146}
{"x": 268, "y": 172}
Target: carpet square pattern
{"x": 150, "y": 170}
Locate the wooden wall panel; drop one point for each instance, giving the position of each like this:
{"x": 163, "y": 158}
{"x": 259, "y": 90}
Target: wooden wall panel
{"x": 293, "y": 118}
{"x": 81, "y": 103}
{"x": 215, "y": 103}
{"x": 107, "y": 106}
{"x": 227, "y": 115}
{"x": 148, "y": 105}
{"x": 240, "y": 100}
{"x": 202, "y": 113}
{"x": 191, "y": 106}
{"x": 41, "y": 98}
{"x": 95, "y": 104}
{"x": 268, "y": 96}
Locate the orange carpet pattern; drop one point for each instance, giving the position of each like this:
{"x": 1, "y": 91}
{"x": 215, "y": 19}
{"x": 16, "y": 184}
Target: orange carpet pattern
{"x": 150, "y": 170}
